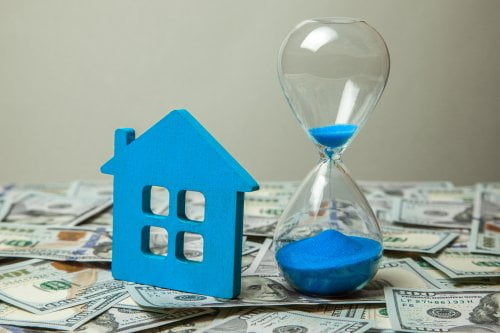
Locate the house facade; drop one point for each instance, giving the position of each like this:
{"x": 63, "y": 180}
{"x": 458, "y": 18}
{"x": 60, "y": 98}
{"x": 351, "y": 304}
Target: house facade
{"x": 179, "y": 155}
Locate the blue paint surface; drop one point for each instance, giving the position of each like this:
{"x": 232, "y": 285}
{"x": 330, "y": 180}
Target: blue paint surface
{"x": 329, "y": 263}
{"x": 333, "y": 136}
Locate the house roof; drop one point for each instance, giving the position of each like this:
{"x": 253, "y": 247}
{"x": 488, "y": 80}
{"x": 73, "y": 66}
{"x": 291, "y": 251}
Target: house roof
{"x": 182, "y": 137}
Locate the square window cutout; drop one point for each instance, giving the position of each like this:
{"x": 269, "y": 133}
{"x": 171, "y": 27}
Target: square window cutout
{"x": 156, "y": 200}
{"x": 192, "y": 247}
{"x": 156, "y": 239}
{"x": 192, "y": 205}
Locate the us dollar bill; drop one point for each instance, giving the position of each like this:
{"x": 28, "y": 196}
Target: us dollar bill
{"x": 457, "y": 194}
{"x": 276, "y": 320}
{"x": 416, "y": 240}
{"x": 398, "y": 189}
{"x": 127, "y": 321}
{"x": 401, "y": 272}
{"x": 258, "y": 290}
{"x": 195, "y": 324}
{"x": 91, "y": 189}
{"x": 55, "y": 243}
{"x": 263, "y": 211}
{"x": 459, "y": 264}
{"x": 41, "y": 286}
{"x": 264, "y": 263}
{"x": 492, "y": 186}
{"x": 375, "y": 313}
{"x": 193, "y": 244}
{"x": 129, "y": 303}
{"x": 259, "y": 226}
{"x": 485, "y": 233}
{"x": 461, "y": 283}
{"x": 102, "y": 219}
{"x": 66, "y": 319}
{"x": 435, "y": 214}
{"x": 19, "y": 189}
{"x": 385, "y": 208}
{"x": 50, "y": 209}
{"x": 423, "y": 310}
{"x": 247, "y": 260}
{"x": 5, "y": 203}
{"x": 275, "y": 189}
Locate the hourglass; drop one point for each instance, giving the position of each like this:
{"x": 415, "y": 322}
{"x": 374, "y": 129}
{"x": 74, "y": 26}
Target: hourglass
{"x": 332, "y": 72}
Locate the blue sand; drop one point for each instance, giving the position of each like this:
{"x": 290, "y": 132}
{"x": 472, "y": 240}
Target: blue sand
{"x": 329, "y": 263}
{"x": 333, "y": 136}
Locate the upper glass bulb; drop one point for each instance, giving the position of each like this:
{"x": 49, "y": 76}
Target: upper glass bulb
{"x": 333, "y": 72}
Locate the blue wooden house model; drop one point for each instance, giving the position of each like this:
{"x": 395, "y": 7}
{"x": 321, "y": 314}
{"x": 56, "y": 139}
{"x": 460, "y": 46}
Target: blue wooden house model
{"x": 177, "y": 153}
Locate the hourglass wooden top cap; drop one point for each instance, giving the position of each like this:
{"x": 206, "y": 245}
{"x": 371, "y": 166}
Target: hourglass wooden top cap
{"x": 333, "y": 71}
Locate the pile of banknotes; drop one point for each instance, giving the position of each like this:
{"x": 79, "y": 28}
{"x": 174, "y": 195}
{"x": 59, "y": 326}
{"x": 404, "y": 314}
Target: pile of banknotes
{"x": 440, "y": 270}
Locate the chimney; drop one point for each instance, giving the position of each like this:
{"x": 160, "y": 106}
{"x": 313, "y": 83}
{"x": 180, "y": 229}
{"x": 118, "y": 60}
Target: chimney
{"x": 123, "y": 137}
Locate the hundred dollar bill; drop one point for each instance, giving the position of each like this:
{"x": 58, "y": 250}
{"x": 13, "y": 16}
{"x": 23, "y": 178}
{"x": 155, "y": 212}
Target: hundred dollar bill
{"x": 41, "y": 286}
{"x": 195, "y": 324}
{"x": 385, "y": 208}
{"x": 276, "y": 320}
{"x": 16, "y": 190}
{"x": 4, "y": 206}
{"x": 398, "y": 189}
{"x": 485, "y": 233}
{"x": 127, "y": 321}
{"x": 193, "y": 244}
{"x": 473, "y": 283}
{"x": 41, "y": 208}
{"x": 92, "y": 189}
{"x": 102, "y": 219}
{"x": 255, "y": 291}
{"x": 264, "y": 263}
{"x": 458, "y": 264}
{"x": 259, "y": 226}
{"x": 416, "y": 240}
{"x": 247, "y": 260}
{"x": 258, "y": 210}
{"x": 5, "y": 188}
{"x": 491, "y": 186}
{"x": 334, "y": 310}
{"x": 435, "y": 214}
{"x": 462, "y": 283}
{"x": 66, "y": 319}
{"x": 375, "y": 313}
{"x": 422, "y": 310}
{"x": 260, "y": 200}
{"x": 457, "y": 194}
{"x": 276, "y": 189}
{"x": 401, "y": 272}
{"x": 461, "y": 243}
{"x": 55, "y": 243}
{"x": 273, "y": 290}
{"x": 129, "y": 303}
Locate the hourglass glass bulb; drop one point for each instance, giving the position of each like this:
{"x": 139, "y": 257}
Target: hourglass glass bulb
{"x": 332, "y": 72}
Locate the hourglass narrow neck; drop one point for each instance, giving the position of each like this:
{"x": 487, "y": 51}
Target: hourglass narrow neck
{"x": 332, "y": 139}
{"x": 328, "y": 155}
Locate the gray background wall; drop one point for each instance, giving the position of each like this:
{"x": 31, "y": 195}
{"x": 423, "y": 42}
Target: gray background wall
{"x": 72, "y": 71}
